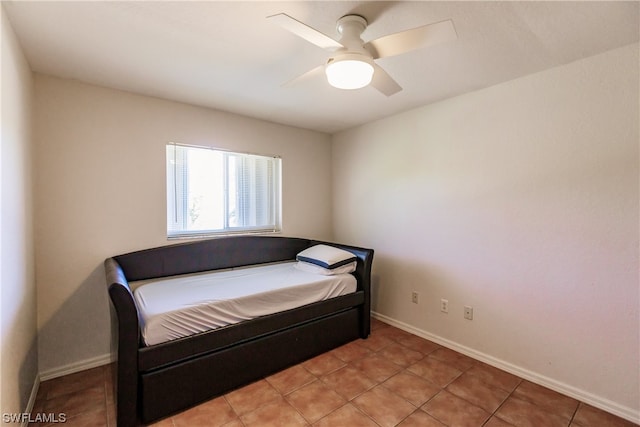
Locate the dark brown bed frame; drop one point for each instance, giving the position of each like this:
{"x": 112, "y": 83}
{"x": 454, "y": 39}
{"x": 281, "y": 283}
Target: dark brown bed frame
{"x": 155, "y": 381}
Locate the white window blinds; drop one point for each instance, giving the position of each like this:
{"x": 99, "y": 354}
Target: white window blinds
{"x": 213, "y": 191}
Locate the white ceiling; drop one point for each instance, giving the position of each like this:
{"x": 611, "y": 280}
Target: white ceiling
{"x": 227, "y": 56}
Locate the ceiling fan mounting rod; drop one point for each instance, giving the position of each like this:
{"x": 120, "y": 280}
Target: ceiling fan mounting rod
{"x": 350, "y": 27}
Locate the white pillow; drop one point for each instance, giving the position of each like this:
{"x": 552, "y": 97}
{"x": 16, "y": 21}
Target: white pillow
{"x": 326, "y": 256}
{"x": 316, "y": 269}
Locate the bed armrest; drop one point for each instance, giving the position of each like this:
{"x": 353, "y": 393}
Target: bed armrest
{"x": 128, "y": 341}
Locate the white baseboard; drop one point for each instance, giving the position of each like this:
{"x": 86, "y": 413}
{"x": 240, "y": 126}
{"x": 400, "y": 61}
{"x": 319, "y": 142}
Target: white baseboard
{"x": 61, "y": 371}
{"x": 581, "y": 395}
{"x": 32, "y": 399}
{"x": 81, "y": 365}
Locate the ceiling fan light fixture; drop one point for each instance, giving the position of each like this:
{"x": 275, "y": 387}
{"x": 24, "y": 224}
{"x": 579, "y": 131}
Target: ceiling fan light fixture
{"x": 349, "y": 71}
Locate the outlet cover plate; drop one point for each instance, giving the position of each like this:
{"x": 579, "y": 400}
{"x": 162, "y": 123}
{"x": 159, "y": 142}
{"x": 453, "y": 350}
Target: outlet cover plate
{"x": 468, "y": 312}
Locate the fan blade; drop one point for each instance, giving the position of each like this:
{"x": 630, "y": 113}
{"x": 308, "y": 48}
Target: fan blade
{"x": 306, "y": 32}
{"x": 383, "y": 81}
{"x": 309, "y": 74}
{"x": 417, "y": 38}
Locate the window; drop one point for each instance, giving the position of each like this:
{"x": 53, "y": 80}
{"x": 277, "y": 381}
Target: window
{"x": 220, "y": 192}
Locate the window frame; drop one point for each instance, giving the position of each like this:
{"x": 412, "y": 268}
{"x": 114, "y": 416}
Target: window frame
{"x": 173, "y": 201}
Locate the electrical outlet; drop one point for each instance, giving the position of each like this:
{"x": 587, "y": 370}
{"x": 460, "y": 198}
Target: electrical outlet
{"x": 468, "y": 312}
{"x": 444, "y": 305}
{"x": 414, "y": 297}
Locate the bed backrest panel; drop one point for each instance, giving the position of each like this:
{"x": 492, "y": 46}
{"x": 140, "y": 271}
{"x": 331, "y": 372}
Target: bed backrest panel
{"x": 210, "y": 254}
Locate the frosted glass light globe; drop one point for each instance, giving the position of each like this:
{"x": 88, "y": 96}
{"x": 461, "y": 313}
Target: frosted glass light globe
{"x": 349, "y": 72}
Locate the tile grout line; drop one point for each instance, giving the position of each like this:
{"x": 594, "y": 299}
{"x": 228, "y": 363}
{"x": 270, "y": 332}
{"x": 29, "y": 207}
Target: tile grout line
{"x": 471, "y": 403}
{"x": 106, "y": 397}
{"x": 405, "y": 368}
{"x": 376, "y": 383}
{"x": 574, "y": 414}
{"x": 495, "y": 412}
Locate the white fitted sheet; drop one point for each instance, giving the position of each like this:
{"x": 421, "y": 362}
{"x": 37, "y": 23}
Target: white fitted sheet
{"x": 180, "y": 306}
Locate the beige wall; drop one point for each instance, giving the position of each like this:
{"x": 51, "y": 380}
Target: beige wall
{"x": 100, "y": 177}
{"x": 18, "y": 354}
{"x": 520, "y": 200}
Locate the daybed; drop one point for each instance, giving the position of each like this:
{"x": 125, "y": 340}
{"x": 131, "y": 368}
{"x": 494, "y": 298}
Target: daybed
{"x": 154, "y": 381}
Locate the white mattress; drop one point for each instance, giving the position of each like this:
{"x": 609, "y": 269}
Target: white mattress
{"x": 184, "y": 305}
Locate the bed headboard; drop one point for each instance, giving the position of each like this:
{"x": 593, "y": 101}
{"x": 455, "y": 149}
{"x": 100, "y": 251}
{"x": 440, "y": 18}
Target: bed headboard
{"x": 211, "y": 254}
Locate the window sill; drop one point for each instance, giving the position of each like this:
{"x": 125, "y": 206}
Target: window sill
{"x": 223, "y": 234}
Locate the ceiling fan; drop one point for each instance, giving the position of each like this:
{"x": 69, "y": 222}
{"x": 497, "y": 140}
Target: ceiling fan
{"x": 352, "y": 62}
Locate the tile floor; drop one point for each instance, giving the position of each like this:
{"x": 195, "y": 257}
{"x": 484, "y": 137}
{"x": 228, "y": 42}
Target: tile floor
{"x": 391, "y": 379}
